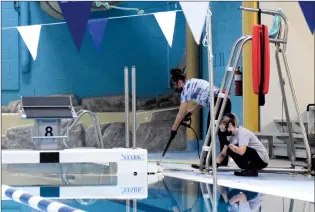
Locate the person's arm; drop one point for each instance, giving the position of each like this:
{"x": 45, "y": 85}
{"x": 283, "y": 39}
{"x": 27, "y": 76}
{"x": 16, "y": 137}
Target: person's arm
{"x": 238, "y": 150}
{"x": 180, "y": 115}
{"x": 222, "y": 155}
{"x": 243, "y": 140}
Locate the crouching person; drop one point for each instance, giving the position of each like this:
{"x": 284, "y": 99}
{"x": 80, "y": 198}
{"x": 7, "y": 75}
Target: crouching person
{"x": 245, "y": 148}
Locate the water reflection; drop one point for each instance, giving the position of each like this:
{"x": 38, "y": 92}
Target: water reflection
{"x": 236, "y": 200}
{"x": 164, "y": 194}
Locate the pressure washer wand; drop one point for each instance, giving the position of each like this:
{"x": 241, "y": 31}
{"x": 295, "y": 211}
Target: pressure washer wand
{"x": 170, "y": 141}
{"x": 165, "y": 150}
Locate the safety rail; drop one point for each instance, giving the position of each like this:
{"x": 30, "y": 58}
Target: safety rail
{"x": 273, "y": 13}
{"x": 96, "y": 125}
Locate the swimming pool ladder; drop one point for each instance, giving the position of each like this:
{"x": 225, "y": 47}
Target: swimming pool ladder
{"x": 96, "y": 125}
{"x": 280, "y": 41}
{"x": 207, "y": 195}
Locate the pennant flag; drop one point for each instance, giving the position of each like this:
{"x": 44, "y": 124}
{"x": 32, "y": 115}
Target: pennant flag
{"x": 30, "y": 35}
{"x": 308, "y": 9}
{"x": 97, "y": 28}
{"x": 166, "y": 21}
{"x": 195, "y": 14}
{"x": 76, "y": 14}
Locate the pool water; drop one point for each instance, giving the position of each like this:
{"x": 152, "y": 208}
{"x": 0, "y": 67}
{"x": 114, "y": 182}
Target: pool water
{"x": 163, "y": 193}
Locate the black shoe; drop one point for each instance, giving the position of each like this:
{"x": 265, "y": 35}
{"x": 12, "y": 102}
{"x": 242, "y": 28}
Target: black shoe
{"x": 247, "y": 173}
{"x": 195, "y": 166}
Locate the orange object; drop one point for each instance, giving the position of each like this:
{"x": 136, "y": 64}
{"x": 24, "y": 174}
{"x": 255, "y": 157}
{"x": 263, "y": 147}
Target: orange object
{"x": 260, "y": 59}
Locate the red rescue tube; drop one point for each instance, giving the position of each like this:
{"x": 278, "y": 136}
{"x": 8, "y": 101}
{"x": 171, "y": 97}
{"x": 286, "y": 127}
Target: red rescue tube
{"x": 260, "y": 58}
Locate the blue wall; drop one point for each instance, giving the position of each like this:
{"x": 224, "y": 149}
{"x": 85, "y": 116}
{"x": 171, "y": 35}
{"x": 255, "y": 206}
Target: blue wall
{"x": 139, "y": 41}
{"x": 226, "y": 29}
{"x": 60, "y": 68}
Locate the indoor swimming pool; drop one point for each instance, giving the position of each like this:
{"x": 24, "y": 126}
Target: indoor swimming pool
{"x": 95, "y": 187}
{"x": 129, "y": 117}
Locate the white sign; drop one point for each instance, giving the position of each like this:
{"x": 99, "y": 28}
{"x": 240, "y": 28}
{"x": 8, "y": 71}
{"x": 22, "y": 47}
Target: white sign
{"x": 48, "y": 128}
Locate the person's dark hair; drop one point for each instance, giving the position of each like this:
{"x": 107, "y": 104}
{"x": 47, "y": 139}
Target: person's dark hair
{"x": 229, "y": 118}
{"x": 176, "y": 74}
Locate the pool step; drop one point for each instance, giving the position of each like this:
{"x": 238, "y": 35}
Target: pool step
{"x": 279, "y": 143}
{"x": 281, "y": 125}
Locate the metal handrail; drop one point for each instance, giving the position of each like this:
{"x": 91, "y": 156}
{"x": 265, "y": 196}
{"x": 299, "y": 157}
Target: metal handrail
{"x": 96, "y": 123}
{"x": 285, "y": 30}
{"x": 241, "y": 41}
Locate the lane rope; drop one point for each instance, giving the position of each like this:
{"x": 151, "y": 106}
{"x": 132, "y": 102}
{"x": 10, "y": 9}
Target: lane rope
{"x": 36, "y": 202}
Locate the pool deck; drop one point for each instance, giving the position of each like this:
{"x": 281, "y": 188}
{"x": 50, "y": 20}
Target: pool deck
{"x": 178, "y": 165}
{"x": 284, "y": 185}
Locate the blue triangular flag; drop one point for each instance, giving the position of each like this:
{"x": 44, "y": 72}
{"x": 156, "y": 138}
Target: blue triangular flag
{"x": 97, "y": 28}
{"x": 76, "y": 14}
{"x": 308, "y": 9}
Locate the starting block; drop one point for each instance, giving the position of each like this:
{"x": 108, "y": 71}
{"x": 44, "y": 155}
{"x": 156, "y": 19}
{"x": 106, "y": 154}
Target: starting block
{"x": 47, "y": 113}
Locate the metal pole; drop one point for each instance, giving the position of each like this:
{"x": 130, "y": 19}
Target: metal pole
{"x": 126, "y": 77}
{"x": 206, "y": 196}
{"x": 290, "y": 144}
{"x": 134, "y": 205}
{"x": 213, "y": 135}
{"x": 298, "y": 113}
{"x": 127, "y": 107}
{"x": 273, "y": 13}
{"x": 127, "y": 205}
{"x": 133, "y": 76}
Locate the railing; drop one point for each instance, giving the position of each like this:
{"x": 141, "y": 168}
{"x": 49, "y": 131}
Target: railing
{"x": 96, "y": 124}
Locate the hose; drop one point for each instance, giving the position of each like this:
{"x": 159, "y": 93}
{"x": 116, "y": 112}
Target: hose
{"x": 189, "y": 126}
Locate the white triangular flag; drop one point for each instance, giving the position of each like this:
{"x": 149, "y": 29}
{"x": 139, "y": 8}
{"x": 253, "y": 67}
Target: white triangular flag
{"x": 166, "y": 21}
{"x": 195, "y": 14}
{"x": 30, "y": 35}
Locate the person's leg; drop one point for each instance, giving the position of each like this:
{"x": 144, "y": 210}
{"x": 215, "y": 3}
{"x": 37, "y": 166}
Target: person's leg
{"x": 240, "y": 160}
{"x": 222, "y": 135}
{"x": 208, "y": 124}
{"x": 228, "y": 107}
{"x": 253, "y": 163}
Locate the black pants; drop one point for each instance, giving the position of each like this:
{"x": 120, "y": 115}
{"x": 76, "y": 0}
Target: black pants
{"x": 222, "y": 137}
{"x": 250, "y": 159}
